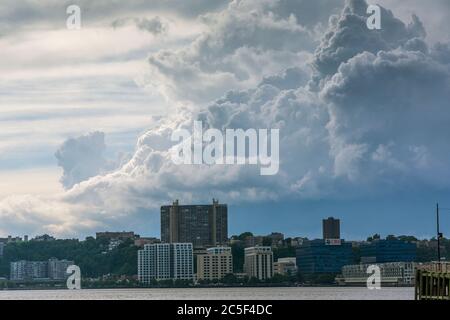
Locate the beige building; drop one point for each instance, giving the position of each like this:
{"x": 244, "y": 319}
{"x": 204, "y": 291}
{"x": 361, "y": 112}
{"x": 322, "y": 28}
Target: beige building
{"x": 215, "y": 264}
{"x": 259, "y": 262}
{"x": 285, "y": 266}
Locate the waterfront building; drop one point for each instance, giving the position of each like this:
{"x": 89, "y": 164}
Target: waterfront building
{"x": 201, "y": 225}
{"x": 52, "y": 269}
{"x": 259, "y": 262}
{"x": 57, "y": 269}
{"x": 17, "y": 270}
{"x": 215, "y": 264}
{"x": 331, "y": 228}
{"x": 382, "y": 251}
{"x": 321, "y": 256}
{"x": 285, "y": 266}
{"x": 392, "y": 274}
{"x": 164, "y": 261}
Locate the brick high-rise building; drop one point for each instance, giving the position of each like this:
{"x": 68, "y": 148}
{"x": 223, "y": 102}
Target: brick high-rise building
{"x": 331, "y": 228}
{"x": 201, "y": 225}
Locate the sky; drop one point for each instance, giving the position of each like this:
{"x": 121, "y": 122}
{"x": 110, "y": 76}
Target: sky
{"x": 86, "y": 115}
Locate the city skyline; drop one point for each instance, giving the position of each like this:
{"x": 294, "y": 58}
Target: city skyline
{"x": 320, "y": 232}
{"x": 87, "y": 115}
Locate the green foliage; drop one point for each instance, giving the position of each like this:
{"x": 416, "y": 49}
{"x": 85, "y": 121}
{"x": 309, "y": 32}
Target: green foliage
{"x": 283, "y": 252}
{"x": 244, "y": 235}
{"x": 91, "y": 255}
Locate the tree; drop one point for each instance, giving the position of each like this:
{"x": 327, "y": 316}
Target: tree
{"x": 244, "y": 235}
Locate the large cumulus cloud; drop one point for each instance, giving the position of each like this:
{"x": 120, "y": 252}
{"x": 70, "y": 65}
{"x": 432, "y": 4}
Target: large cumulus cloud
{"x": 82, "y": 158}
{"x": 248, "y": 41}
{"x": 372, "y": 117}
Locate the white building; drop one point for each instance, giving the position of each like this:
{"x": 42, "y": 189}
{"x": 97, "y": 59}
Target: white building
{"x": 285, "y": 266}
{"x": 259, "y": 262}
{"x": 392, "y": 274}
{"x": 215, "y": 264}
{"x": 163, "y": 261}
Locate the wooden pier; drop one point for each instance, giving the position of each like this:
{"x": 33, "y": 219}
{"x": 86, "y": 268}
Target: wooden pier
{"x": 433, "y": 281}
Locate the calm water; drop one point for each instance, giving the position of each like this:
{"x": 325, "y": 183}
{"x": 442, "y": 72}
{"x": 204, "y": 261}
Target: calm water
{"x": 334, "y": 293}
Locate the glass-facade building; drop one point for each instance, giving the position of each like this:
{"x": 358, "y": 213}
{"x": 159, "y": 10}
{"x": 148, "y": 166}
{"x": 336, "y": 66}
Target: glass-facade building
{"x": 382, "y": 251}
{"x": 317, "y": 256}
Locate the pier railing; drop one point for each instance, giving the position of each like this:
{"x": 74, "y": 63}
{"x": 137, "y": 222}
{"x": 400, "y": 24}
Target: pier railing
{"x": 433, "y": 281}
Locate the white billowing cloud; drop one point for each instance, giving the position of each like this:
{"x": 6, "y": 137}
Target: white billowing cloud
{"x": 248, "y": 41}
{"x": 376, "y": 119}
{"x": 348, "y": 35}
{"x": 393, "y": 107}
{"x": 82, "y": 158}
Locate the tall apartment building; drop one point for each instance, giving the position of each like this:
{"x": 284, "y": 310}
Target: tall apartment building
{"x": 215, "y": 264}
{"x": 259, "y": 262}
{"x": 164, "y": 261}
{"x": 2, "y": 246}
{"x": 201, "y": 225}
{"x": 331, "y": 228}
{"x": 57, "y": 268}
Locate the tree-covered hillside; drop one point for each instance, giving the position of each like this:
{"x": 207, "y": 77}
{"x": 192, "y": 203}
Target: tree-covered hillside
{"x": 91, "y": 255}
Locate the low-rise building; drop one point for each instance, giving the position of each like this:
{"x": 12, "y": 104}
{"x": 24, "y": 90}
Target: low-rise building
{"x": 253, "y": 241}
{"x": 215, "y": 264}
{"x": 141, "y": 242}
{"x": 391, "y": 274}
{"x": 11, "y": 239}
{"x": 124, "y": 235}
{"x": 323, "y": 256}
{"x": 44, "y": 237}
{"x": 382, "y": 251}
{"x": 285, "y": 266}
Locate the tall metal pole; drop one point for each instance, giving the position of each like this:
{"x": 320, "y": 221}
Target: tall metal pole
{"x": 438, "y": 232}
